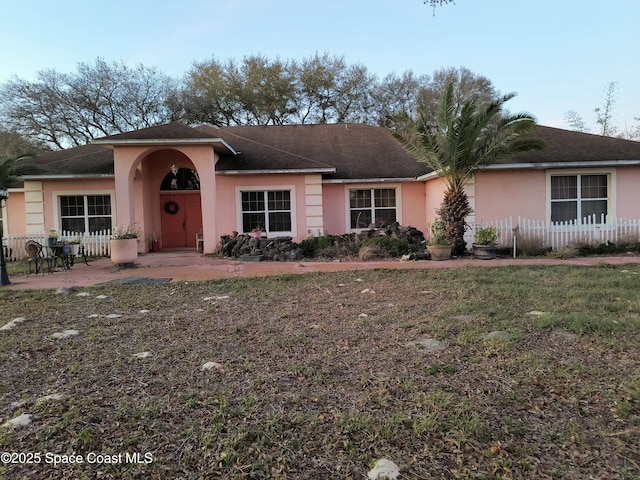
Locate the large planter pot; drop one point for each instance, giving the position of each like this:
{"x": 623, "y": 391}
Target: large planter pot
{"x": 439, "y": 252}
{"x": 124, "y": 253}
{"x": 484, "y": 252}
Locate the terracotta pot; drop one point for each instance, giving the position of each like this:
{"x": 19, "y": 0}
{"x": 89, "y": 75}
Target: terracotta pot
{"x": 124, "y": 252}
{"x": 439, "y": 252}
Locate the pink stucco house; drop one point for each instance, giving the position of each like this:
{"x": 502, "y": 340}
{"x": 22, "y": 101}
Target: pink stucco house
{"x": 173, "y": 181}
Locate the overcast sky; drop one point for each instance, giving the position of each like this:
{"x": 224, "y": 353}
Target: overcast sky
{"x": 558, "y": 55}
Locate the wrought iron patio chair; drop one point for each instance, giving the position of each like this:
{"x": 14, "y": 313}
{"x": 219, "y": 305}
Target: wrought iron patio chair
{"x": 37, "y": 257}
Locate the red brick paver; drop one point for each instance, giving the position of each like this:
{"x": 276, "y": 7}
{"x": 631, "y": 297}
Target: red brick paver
{"x": 190, "y": 266}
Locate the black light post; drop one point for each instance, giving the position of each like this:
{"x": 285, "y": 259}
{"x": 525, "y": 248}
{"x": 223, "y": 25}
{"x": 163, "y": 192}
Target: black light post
{"x": 4, "y": 276}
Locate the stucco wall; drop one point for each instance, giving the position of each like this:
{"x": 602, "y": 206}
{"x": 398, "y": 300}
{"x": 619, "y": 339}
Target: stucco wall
{"x": 628, "y": 192}
{"x": 434, "y": 192}
{"x": 510, "y": 193}
{"x": 411, "y": 203}
{"x": 227, "y": 208}
{"x": 51, "y": 189}
{"x": 16, "y": 222}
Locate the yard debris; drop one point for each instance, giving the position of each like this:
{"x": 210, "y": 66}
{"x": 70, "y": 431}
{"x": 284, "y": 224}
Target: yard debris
{"x": 101, "y": 297}
{"x": 113, "y": 315}
{"x": 64, "y": 290}
{"x": 13, "y": 323}
{"x": 276, "y": 249}
{"x": 384, "y": 469}
{"x": 536, "y": 313}
{"x": 20, "y": 421}
{"x": 84, "y": 294}
{"x": 367, "y": 290}
{"x": 144, "y": 311}
{"x": 65, "y": 334}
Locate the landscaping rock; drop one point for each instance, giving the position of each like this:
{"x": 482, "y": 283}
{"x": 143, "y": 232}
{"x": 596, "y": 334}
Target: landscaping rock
{"x": 384, "y": 470}
{"x": 13, "y": 323}
{"x": 498, "y": 336}
{"x": 429, "y": 344}
{"x": 65, "y": 334}
{"x": 20, "y": 421}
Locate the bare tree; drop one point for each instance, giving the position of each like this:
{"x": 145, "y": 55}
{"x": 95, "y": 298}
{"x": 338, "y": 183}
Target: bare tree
{"x": 99, "y": 99}
{"x": 576, "y": 122}
{"x": 604, "y": 115}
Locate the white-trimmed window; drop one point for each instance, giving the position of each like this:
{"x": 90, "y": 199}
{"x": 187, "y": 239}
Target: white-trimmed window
{"x": 268, "y": 210}
{"x": 85, "y": 213}
{"x": 575, "y": 197}
{"x": 372, "y": 206}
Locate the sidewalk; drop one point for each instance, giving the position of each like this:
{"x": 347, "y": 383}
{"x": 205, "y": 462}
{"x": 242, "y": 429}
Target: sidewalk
{"x": 179, "y": 266}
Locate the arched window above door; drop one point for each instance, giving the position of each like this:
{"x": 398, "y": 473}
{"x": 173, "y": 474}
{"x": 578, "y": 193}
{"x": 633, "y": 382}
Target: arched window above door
{"x": 180, "y": 178}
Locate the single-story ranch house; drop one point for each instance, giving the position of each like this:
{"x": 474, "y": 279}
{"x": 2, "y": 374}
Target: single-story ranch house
{"x": 173, "y": 181}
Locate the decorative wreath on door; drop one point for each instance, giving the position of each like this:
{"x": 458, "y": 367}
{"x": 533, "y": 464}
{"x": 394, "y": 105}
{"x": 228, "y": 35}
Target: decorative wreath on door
{"x": 171, "y": 207}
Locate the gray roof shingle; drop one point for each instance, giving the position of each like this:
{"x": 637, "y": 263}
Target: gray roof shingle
{"x": 338, "y": 151}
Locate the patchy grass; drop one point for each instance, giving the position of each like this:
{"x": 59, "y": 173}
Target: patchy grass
{"x": 306, "y": 387}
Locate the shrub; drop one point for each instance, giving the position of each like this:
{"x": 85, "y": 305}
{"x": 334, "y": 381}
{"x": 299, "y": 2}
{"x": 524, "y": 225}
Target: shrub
{"x": 328, "y": 246}
{"x": 385, "y": 247}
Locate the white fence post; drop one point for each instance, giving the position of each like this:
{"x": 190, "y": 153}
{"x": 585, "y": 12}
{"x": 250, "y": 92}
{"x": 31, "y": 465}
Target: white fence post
{"x": 563, "y": 234}
{"x": 96, "y": 244}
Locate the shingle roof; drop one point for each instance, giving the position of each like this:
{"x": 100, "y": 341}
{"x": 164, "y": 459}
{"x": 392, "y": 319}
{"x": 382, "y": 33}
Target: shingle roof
{"x": 167, "y": 131}
{"x": 84, "y": 160}
{"x": 355, "y": 151}
{"x": 338, "y": 151}
{"x": 568, "y": 146}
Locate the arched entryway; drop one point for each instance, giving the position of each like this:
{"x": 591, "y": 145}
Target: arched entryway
{"x": 181, "y": 210}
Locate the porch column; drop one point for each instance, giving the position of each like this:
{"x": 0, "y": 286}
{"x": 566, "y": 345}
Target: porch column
{"x": 124, "y": 175}
{"x": 204, "y": 159}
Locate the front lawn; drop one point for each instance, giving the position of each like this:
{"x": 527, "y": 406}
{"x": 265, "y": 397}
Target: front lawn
{"x": 317, "y": 376}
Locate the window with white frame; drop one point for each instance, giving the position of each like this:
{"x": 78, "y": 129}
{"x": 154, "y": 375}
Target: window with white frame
{"x": 575, "y": 197}
{"x": 85, "y": 213}
{"x": 268, "y": 210}
{"x": 372, "y": 206}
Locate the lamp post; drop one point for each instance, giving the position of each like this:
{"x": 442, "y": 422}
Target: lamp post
{"x": 4, "y": 276}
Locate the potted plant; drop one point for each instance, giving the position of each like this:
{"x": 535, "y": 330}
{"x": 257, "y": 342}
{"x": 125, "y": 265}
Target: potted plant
{"x": 485, "y": 245}
{"x": 124, "y": 246}
{"x": 439, "y": 246}
{"x": 53, "y": 238}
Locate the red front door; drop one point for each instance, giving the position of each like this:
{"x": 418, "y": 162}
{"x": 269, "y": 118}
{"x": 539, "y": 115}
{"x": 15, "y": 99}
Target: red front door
{"x": 181, "y": 218}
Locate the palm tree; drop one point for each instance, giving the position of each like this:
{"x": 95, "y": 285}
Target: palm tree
{"x": 466, "y": 138}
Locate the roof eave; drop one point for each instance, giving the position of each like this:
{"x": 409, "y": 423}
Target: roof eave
{"x": 223, "y": 146}
{"x": 65, "y": 176}
{"x": 276, "y": 171}
{"x": 545, "y": 165}
{"x": 369, "y": 180}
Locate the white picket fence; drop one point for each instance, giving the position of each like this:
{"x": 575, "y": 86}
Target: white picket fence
{"x": 94, "y": 243}
{"x": 556, "y": 235}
